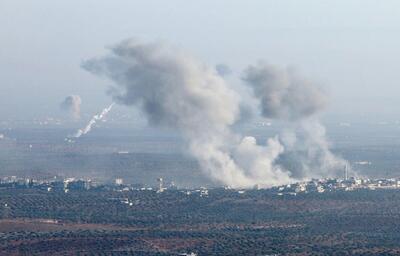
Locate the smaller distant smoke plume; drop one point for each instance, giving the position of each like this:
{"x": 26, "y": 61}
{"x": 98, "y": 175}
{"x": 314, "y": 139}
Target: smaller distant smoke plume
{"x": 72, "y": 103}
{"x": 223, "y": 70}
{"x": 92, "y": 121}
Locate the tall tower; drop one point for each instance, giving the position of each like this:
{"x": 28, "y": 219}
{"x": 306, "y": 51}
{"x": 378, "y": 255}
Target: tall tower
{"x": 160, "y": 185}
{"x": 346, "y": 172}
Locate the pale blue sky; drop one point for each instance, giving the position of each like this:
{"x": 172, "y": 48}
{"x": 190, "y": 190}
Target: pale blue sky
{"x": 350, "y": 46}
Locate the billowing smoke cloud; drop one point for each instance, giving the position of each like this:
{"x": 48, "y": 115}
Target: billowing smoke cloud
{"x": 92, "y": 121}
{"x": 284, "y": 95}
{"x": 307, "y": 152}
{"x": 174, "y": 90}
{"x": 72, "y": 103}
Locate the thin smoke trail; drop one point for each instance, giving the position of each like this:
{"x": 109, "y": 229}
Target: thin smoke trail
{"x": 92, "y": 121}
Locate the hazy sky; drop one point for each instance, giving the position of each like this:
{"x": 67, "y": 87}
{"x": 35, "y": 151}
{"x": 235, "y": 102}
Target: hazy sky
{"x": 351, "y": 47}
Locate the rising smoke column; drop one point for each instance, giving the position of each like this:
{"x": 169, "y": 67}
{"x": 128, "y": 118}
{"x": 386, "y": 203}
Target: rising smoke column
{"x": 72, "y": 103}
{"x": 283, "y": 95}
{"x": 92, "y": 121}
{"x": 175, "y": 90}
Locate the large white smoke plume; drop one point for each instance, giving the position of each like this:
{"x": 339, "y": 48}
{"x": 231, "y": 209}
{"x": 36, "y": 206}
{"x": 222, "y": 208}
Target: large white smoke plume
{"x": 72, "y": 103}
{"x": 92, "y": 121}
{"x": 175, "y": 90}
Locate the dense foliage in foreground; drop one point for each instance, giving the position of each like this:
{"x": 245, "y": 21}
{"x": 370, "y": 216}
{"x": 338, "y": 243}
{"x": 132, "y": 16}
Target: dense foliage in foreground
{"x": 224, "y": 222}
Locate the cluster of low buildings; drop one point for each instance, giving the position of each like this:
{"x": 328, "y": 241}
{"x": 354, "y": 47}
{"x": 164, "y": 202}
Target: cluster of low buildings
{"x": 54, "y": 184}
{"x": 346, "y": 184}
{"x": 77, "y": 184}
{"x": 313, "y": 186}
